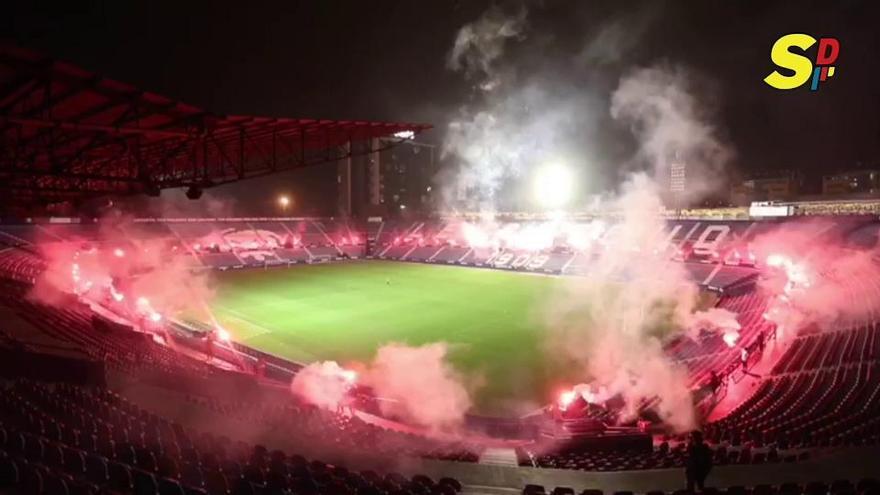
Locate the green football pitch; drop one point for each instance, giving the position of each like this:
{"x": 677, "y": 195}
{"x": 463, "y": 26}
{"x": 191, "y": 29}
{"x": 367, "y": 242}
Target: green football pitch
{"x": 346, "y": 311}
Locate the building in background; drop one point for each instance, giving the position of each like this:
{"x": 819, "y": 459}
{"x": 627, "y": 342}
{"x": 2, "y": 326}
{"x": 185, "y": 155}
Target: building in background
{"x": 676, "y": 182}
{"x": 784, "y": 185}
{"x": 677, "y": 178}
{"x": 395, "y": 182}
{"x": 859, "y": 181}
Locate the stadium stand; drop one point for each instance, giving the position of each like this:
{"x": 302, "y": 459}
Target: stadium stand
{"x": 443, "y": 242}
{"x": 822, "y": 392}
{"x": 67, "y": 439}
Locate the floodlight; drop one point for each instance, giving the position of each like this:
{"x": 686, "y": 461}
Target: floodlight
{"x": 553, "y": 186}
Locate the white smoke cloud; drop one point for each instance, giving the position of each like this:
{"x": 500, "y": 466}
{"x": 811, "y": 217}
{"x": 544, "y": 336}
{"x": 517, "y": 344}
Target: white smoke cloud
{"x": 672, "y": 125}
{"x": 718, "y": 318}
{"x": 480, "y": 44}
{"x": 555, "y": 110}
{"x": 612, "y": 322}
{"x": 324, "y": 384}
{"x": 616, "y": 38}
{"x": 487, "y": 142}
{"x": 513, "y": 124}
{"x": 517, "y": 130}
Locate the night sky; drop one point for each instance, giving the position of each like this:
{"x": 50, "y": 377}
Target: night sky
{"x": 386, "y": 60}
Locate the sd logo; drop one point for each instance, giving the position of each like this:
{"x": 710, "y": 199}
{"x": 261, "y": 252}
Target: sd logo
{"x": 783, "y": 57}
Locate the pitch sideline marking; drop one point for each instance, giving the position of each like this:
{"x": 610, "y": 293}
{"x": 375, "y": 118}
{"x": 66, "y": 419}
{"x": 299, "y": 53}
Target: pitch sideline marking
{"x": 243, "y": 318}
{"x": 264, "y": 331}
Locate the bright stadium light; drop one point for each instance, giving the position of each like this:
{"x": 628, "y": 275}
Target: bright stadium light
{"x": 554, "y": 186}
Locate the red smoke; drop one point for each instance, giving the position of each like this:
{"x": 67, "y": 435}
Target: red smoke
{"x": 813, "y": 280}
{"x": 423, "y": 388}
{"x": 139, "y": 277}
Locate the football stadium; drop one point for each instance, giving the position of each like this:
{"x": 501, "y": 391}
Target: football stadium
{"x": 565, "y": 256}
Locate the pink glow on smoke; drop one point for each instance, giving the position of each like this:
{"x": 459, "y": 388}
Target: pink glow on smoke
{"x": 324, "y": 384}
{"x": 813, "y": 281}
{"x": 138, "y": 277}
{"x": 419, "y": 383}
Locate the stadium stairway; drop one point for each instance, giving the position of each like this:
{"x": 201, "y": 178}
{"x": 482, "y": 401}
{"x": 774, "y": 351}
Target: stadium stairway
{"x": 488, "y": 490}
{"x": 499, "y": 457}
{"x": 742, "y": 386}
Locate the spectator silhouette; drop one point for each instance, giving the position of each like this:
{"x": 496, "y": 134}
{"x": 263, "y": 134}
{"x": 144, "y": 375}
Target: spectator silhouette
{"x": 699, "y": 462}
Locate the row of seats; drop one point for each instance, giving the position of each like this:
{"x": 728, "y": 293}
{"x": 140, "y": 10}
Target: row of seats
{"x": 125, "y": 351}
{"x": 831, "y": 349}
{"x": 19, "y": 265}
{"x": 865, "y": 486}
{"x": 62, "y": 439}
{"x": 342, "y": 430}
{"x": 661, "y": 457}
{"x": 830, "y": 406}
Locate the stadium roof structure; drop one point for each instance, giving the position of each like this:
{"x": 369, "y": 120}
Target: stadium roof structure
{"x": 68, "y": 134}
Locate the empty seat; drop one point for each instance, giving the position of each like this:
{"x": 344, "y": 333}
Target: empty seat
{"x": 34, "y": 479}
{"x": 243, "y": 487}
{"x": 216, "y": 483}
{"x": 816, "y": 488}
{"x": 790, "y": 489}
{"x": 74, "y": 461}
{"x": 53, "y": 456}
{"x": 531, "y": 489}
{"x": 56, "y": 485}
{"x": 170, "y": 487}
{"x": 96, "y": 470}
{"x": 120, "y": 477}
{"x": 144, "y": 482}
{"x": 454, "y": 483}
{"x": 8, "y": 473}
{"x": 191, "y": 475}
